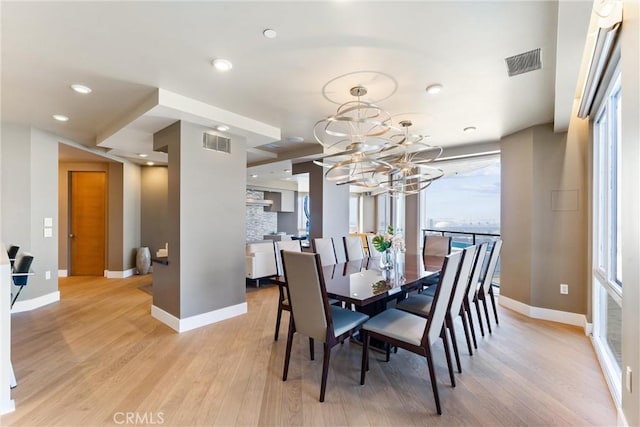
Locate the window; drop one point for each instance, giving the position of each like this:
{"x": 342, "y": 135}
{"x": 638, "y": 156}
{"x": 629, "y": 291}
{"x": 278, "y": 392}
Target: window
{"x": 606, "y": 251}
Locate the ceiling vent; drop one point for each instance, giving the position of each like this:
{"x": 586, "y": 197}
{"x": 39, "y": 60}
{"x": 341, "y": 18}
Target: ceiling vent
{"x": 216, "y": 143}
{"x": 524, "y": 62}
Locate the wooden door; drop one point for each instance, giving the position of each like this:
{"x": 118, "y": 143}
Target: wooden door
{"x": 87, "y": 211}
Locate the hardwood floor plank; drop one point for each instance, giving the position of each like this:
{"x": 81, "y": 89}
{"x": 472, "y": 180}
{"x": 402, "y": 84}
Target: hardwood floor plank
{"x": 98, "y": 354}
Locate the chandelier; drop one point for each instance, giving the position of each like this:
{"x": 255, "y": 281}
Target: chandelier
{"x": 363, "y": 152}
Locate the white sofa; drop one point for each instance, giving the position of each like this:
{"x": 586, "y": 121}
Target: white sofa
{"x": 260, "y": 260}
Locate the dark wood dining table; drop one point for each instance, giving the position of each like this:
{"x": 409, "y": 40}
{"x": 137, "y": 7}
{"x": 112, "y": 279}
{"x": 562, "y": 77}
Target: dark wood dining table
{"x": 368, "y": 287}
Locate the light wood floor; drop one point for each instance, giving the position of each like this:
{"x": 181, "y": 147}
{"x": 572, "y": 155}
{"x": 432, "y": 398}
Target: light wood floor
{"x": 97, "y": 355}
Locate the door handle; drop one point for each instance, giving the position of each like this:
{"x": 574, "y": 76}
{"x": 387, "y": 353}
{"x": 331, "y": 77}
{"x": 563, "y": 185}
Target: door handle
{"x": 71, "y": 235}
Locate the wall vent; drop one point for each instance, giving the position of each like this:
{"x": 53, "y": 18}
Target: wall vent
{"x": 216, "y": 143}
{"x": 524, "y": 62}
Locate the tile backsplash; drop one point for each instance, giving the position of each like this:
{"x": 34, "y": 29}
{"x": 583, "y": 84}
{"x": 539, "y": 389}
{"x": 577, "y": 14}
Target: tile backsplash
{"x": 259, "y": 222}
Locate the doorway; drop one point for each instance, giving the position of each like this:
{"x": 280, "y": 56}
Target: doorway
{"x": 87, "y": 223}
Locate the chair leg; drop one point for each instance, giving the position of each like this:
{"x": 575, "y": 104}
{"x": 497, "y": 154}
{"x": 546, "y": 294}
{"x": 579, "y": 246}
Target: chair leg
{"x": 325, "y": 370}
{"x": 493, "y": 303}
{"x": 452, "y": 333}
{"x": 288, "y": 351}
{"x": 13, "y": 301}
{"x": 486, "y": 313}
{"x": 465, "y": 326}
{"x": 432, "y": 377}
{"x": 467, "y": 310}
{"x": 365, "y": 356}
{"x": 278, "y": 317}
{"x": 311, "y": 353}
{"x": 477, "y": 303}
{"x": 447, "y": 352}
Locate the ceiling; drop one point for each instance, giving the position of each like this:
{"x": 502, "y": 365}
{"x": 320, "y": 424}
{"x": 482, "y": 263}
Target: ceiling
{"x": 149, "y": 64}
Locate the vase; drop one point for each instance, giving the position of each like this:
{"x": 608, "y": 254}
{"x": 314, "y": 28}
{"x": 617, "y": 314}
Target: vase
{"x": 143, "y": 260}
{"x": 386, "y": 260}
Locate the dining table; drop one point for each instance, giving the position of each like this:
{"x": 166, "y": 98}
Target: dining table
{"x": 368, "y": 286}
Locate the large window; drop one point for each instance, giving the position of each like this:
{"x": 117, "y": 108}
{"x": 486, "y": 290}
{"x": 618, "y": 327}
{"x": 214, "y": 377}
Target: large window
{"x": 606, "y": 258}
{"x": 466, "y": 199}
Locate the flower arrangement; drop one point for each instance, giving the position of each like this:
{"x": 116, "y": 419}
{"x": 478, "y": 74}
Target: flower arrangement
{"x": 383, "y": 242}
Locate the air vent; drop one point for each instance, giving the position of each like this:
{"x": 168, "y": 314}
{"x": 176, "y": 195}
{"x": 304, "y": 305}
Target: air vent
{"x": 524, "y": 62}
{"x": 216, "y": 143}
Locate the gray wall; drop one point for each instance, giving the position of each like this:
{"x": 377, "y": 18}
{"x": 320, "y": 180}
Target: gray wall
{"x": 154, "y": 207}
{"x": 328, "y": 205}
{"x": 630, "y": 67}
{"x": 206, "y": 226}
{"x": 288, "y": 221}
{"x": 545, "y": 242}
{"x": 369, "y": 214}
{"x": 29, "y": 194}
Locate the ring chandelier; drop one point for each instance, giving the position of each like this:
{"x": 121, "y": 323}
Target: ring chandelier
{"x": 362, "y": 153}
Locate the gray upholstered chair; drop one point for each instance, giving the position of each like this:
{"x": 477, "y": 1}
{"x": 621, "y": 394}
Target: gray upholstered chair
{"x": 485, "y": 288}
{"x": 283, "y": 299}
{"x": 312, "y": 315}
{"x": 324, "y": 247}
{"x": 435, "y": 246}
{"x": 421, "y": 304}
{"x": 373, "y": 252}
{"x": 414, "y": 333}
{"x": 353, "y": 247}
{"x": 472, "y": 289}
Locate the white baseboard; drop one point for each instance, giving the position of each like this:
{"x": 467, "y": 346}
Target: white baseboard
{"x": 63, "y": 273}
{"x": 588, "y": 329}
{"x": 565, "y": 317}
{"x": 119, "y": 274}
{"x": 7, "y": 406}
{"x": 193, "y": 322}
{"x": 32, "y": 304}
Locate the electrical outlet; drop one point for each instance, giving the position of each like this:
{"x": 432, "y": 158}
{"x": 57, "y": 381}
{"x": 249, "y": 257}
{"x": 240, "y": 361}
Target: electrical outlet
{"x": 47, "y": 275}
{"x": 628, "y": 381}
{"x": 564, "y": 288}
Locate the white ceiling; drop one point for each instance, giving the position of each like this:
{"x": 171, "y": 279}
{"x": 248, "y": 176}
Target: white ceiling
{"x": 130, "y": 52}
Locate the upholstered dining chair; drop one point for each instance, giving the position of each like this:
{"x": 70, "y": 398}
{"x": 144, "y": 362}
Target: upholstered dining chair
{"x": 353, "y": 247}
{"x": 485, "y": 288}
{"x": 312, "y": 315}
{"x": 373, "y": 252}
{"x": 414, "y": 333}
{"x": 324, "y": 247}
{"x": 20, "y": 273}
{"x": 472, "y": 290}
{"x": 283, "y": 298}
{"x": 421, "y": 304}
{"x": 435, "y": 246}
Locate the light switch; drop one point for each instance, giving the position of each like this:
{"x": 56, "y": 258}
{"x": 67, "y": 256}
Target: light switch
{"x": 48, "y": 232}
{"x": 48, "y": 222}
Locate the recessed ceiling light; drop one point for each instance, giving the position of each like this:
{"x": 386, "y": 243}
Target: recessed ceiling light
{"x": 295, "y": 139}
{"x": 150, "y": 163}
{"x": 143, "y": 155}
{"x": 254, "y": 175}
{"x": 81, "y": 89}
{"x": 222, "y": 64}
{"x": 270, "y": 33}
{"x": 222, "y": 128}
{"x": 434, "y": 88}
{"x": 61, "y": 118}
{"x": 470, "y": 129}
